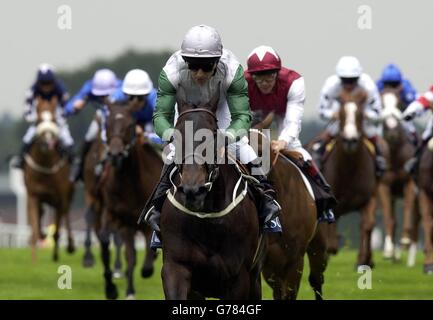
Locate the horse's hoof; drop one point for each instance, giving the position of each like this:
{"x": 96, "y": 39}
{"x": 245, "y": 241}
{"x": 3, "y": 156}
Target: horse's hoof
{"x": 117, "y": 274}
{"x": 130, "y": 296}
{"x": 146, "y": 272}
{"x": 70, "y": 249}
{"x": 388, "y": 255}
{"x": 111, "y": 292}
{"x": 88, "y": 260}
{"x": 55, "y": 257}
{"x": 428, "y": 268}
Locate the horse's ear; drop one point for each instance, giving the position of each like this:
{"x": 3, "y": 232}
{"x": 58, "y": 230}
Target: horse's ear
{"x": 266, "y": 123}
{"x": 213, "y": 102}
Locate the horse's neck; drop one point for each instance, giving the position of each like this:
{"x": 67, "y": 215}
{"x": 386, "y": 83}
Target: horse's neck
{"x": 44, "y": 158}
{"x": 349, "y": 160}
{"x": 223, "y": 187}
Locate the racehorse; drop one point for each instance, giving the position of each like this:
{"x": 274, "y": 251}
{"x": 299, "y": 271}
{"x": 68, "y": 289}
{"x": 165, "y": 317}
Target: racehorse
{"x": 350, "y": 170}
{"x": 131, "y": 172}
{"x": 209, "y": 223}
{"x": 284, "y": 262}
{"x": 94, "y": 204}
{"x": 46, "y": 174}
{"x": 425, "y": 184}
{"x": 397, "y": 182}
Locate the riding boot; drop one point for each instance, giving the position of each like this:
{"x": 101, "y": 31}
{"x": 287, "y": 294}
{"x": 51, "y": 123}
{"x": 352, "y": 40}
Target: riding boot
{"x": 326, "y": 204}
{"x": 381, "y": 164}
{"x": 19, "y": 162}
{"x": 318, "y": 150}
{"x": 152, "y": 210}
{"x": 78, "y": 163}
{"x": 267, "y": 207}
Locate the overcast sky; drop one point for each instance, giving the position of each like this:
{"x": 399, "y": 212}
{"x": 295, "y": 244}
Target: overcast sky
{"x": 309, "y": 35}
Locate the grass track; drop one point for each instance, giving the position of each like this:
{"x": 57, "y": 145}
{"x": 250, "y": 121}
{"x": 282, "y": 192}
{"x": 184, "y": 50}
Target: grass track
{"x": 20, "y": 279}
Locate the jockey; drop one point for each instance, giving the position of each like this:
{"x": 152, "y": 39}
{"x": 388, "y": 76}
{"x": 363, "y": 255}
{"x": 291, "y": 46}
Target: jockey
{"x": 415, "y": 109}
{"x": 392, "y": 78}
{"x": 348, "y": 77}
{"x": 46, "y": 86}
{"x": 200, "y": 67}
{"x": 96, "y": 91}
{"x": 138, "y": 92}
{"x": 272, "y": 87}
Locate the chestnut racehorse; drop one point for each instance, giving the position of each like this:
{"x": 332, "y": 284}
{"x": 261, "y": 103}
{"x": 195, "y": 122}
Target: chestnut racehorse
{"x": 46, "y": 173}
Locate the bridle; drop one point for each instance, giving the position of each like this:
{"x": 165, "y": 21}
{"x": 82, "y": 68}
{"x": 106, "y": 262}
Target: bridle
{"x": 211, "y": 168}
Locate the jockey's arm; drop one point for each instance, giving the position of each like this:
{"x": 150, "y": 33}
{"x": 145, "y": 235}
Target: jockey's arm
{"x": 294, "y": 111}
{"x": 29, "y": 110}
{"x": 239, "y": 106}
{"x": 78, "y": 101}
{"x": 163, "y": 117}
{"x": 327, "y": 102}
{"x": 373, "y": 105}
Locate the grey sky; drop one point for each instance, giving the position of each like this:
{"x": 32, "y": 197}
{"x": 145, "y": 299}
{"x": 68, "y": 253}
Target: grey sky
{"x": 309, "y": 35}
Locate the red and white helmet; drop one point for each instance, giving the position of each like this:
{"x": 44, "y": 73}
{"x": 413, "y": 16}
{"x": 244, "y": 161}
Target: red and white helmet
{"x": 263, "y": 58}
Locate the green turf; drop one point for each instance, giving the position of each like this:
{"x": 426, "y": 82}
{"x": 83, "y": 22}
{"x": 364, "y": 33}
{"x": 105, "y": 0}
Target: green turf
{"x": 20, "y": 279}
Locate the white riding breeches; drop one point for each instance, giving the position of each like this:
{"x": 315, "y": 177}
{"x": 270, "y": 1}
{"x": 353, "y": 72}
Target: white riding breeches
{"x": 64, "y": 135}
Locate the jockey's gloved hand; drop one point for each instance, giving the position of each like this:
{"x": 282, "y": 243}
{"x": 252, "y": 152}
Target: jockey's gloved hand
{"x": 412, "y": 110}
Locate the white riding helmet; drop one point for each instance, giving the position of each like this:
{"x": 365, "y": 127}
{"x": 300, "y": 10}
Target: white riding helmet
{"x": 348, "y": 67}
{"x": 202, "y": 42}
{"x": 137, "y": 82}
{"x": 104, "y": 82}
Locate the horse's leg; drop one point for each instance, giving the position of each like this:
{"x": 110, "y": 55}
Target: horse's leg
{"x": 367, "y": 225}
{"x": 71, "y": 246}
{"x": 332, "y": 238}
{"x": 117, "y": 273}
{"x": 176, "y": 280}
{"x": 33, "y": 207}
{"x": 411, "y": 258}
{"x": 408, "y": 211}
{"x": 147, "y": 269}
{"x": 240, "y": 286}
{"x": 387, "y": 205}
{"x": 293, "y": 278}
{"x": 318, "y": 258}
{"x": 88, "y": 259}
{"x": 426, "y": 206}
{"x": 57, "y": 222}
{"x": 104, "y": 238}
{"x": 130, "y": 256}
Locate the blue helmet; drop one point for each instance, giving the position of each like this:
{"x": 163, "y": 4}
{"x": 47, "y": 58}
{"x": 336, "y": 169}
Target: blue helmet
{"x": 45, "y": 73}
{"x": 391, "y": 73}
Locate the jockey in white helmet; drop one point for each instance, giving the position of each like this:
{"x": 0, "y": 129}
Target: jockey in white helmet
{"x": 200, "y": 67}
{"x": 349, "y": 76}
{"x": 95, "y": 91}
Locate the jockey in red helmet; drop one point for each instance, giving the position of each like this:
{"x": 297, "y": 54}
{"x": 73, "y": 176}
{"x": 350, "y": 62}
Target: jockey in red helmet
{"x": 272, "y": 87}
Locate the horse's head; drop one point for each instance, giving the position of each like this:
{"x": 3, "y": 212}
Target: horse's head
{"x": 195, "y": 141}
{"x": 47, "y": 130}
{"x": 351, "y": 117}
{"x": 391, "y": 115}
{"x": 121, "y": 135}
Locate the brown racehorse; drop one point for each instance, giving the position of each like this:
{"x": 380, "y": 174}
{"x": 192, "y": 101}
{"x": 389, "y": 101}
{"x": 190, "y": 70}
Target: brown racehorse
{"x": 132, "y": 170}
{"x": 210, "y": 232}
{"x": 396, "y": 182}
{"x": 350, "y": 170}
{"x": 46, "y": 174}
{"x": 284, "y": 263}
{"x": 94, "y": 204}
{"x": 425, "y": 184}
